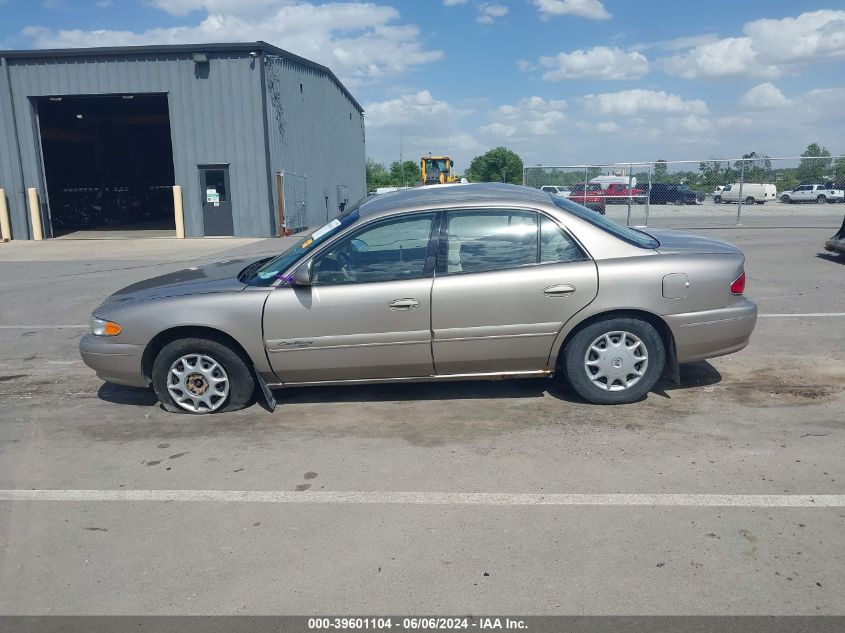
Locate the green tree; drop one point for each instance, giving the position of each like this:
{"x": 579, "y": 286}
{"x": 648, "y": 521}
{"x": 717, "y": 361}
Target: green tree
{"x": 839, "y": 169}
{"x": 498, "y": 165}
{"x": 405, "y": 174}
{"x": 661, "y": 171}
{"x": 756, "y": 168}
{"x": 815, "y": 165}
{"x": 377, "y": 175}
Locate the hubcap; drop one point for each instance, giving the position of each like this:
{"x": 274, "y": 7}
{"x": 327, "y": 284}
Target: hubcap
{"x": 616, "y": 361}
{"x": 198, "y": 383}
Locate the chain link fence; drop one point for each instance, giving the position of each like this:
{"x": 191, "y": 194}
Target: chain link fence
{"x": 753, "y": 189}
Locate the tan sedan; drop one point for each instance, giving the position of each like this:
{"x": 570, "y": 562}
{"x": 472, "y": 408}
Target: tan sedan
{"x": 480, "y": 281}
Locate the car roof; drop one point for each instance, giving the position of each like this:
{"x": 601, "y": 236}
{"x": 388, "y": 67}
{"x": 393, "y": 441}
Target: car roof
{"x": 435, "y": 196}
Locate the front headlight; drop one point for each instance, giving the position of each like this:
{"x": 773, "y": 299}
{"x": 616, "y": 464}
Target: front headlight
{"x": 101, "y": 327}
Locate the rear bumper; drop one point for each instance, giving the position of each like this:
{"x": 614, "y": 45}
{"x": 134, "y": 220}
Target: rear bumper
{"x": 700, "y": 335}
{"x": 114, "y": 362}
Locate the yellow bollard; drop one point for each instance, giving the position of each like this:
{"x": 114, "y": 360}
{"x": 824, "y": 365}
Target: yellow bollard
{"x": 35, "y": 213}
{"x": 5, "y": 225}
{"x": 178, "y": 213}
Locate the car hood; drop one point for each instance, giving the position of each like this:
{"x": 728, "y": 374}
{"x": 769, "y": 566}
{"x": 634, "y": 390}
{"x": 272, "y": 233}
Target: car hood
{"x": 680, "y": 242}
{"x": 212, "y": 278}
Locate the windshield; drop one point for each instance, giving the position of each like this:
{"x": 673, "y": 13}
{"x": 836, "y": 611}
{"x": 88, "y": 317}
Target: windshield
{"x": 274, "y": 269}
{"x": 632, "y": 236}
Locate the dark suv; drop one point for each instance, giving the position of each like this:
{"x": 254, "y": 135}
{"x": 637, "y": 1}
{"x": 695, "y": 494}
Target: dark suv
{"x": 671, "y": 194}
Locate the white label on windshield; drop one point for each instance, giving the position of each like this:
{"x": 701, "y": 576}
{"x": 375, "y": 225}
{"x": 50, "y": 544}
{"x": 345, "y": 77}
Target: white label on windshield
{"x": 316, "y": 235}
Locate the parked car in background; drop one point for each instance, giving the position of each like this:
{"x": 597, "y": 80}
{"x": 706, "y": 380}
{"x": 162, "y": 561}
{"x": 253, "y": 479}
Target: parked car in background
{"x": 592, "y": 197}
{"x": 750, "y": 192}
{"x": 660, "y": 193}
{"x": 616, "y": 193}
{"x": 479, "y": 281}
{"x": 821, "y": 194}
{"x": 836, "y": 244}
{"x": 557, "y": 190}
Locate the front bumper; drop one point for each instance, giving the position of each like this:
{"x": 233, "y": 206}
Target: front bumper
{"x": 114, "y": 362}
{"x": 836, "y": 245}
{"x": 711, "y": 333}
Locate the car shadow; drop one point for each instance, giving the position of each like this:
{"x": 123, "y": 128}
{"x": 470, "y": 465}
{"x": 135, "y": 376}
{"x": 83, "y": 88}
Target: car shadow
{"x": 832, "y": 257}
{"x": 698, "y": 374}
{"x": 120, "y": 394}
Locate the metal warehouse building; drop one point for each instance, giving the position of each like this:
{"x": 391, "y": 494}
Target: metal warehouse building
{"x": 248, "y": 139}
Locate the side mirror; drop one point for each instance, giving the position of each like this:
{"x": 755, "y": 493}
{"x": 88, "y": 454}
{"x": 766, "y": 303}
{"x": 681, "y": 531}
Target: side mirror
{"x": 304, "y": 273}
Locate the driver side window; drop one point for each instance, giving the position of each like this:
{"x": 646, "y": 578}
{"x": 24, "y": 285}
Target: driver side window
{"x": 386, "y": 251}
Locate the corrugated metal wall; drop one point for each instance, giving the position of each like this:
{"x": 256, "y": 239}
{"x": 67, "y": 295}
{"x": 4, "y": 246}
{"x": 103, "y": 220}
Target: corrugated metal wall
{"x": 316, "y": 134}
{"x": 215, "y": 117}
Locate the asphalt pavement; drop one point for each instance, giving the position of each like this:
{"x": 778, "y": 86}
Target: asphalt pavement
{"x": 724, "y": 495}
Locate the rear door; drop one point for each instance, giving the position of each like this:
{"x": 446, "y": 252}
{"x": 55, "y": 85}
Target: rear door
{"x": 507, "y": 280}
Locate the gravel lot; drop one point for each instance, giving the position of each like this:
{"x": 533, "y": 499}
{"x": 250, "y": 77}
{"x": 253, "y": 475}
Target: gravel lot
{"x": 765, "y": 422}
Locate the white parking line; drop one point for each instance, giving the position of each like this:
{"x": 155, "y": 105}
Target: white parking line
{"x": 433, "y": 498}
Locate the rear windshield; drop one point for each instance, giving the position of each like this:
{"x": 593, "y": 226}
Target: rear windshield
{"x": 632, "y": 236}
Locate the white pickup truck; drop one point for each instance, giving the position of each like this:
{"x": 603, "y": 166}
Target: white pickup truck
{"x": 821, "y": 194}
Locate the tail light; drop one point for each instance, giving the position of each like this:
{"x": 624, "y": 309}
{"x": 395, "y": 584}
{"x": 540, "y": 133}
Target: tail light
{"x": 738, "y": 285}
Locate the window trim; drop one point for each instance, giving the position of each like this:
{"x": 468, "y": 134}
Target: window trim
{"x": 441, "y": 268}
{"x": 430, "y": 253}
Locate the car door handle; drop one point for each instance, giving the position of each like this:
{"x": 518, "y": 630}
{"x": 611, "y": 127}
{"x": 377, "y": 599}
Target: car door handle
{"x": 403, "y": 304}
{"x": 560, "y": 290}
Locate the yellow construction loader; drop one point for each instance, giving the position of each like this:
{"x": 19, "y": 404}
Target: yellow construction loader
{"x": 437, "y": 170}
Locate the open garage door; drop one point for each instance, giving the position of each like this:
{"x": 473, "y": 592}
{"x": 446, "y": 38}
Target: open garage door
{"x": 108, "y": 163}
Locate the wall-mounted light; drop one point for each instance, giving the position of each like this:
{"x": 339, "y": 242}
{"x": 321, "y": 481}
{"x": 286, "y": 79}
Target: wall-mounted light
{"x": 55, "y": 98}
{"x": 128, "y": 97}
{"x": 199, "y": 58}
{"x": 78, "y": 116}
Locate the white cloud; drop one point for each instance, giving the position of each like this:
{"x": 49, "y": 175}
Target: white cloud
{"x": 591, "y": 9}
{"x": 642, "y": 103}
{"x": 487, "y": 13}
{"x": 418, "y": 110}
{"x": 529, "y": 117}
{"x": 358, "y": 41}
{"x": 599, "y": 62}
{"x": 765, "y": 96}
{"x": 769, "y": 48}
{"x": 679, "y": 43}
{"x": 453, "y": 3}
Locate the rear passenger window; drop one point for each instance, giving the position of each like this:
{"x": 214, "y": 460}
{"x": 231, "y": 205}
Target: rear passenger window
{"x": 481, "y": 241}
{"x": 556, "y": 245}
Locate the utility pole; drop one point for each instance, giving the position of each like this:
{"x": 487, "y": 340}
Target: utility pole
{"x": 401, "y": 161}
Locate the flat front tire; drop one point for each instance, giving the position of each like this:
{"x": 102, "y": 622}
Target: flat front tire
{"x": 199, "y": 376}
{"x": 614, "y": 361}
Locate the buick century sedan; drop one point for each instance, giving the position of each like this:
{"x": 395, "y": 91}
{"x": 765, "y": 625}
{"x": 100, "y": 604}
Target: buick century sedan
{"x": 450, "y": 282}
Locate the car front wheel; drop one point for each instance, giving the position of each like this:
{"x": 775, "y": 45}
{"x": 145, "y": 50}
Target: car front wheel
{"x": 614, "y": 361}
{"x": 785, "y": 199}
{"x": 821, "y": 200}
{"x": 197, "y": 375}
{"x": 717, "y": 199}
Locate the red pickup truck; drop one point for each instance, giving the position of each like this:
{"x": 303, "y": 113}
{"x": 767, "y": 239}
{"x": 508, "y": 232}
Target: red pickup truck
{"x": 618, "y": 193}
{"x": 593, "y": 198}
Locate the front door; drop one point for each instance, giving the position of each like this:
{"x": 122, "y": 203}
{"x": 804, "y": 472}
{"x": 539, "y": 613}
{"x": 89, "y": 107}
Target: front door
{"x": 506, "y": 282}
{"x": 216, "y": 200}
{"x": 367, "y": 314}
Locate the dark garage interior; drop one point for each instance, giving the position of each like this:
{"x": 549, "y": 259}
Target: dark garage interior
{"x": 108, "y": 162}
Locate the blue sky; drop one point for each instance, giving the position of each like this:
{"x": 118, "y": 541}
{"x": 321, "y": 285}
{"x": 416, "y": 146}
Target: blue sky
{"x": 559, "y": 81}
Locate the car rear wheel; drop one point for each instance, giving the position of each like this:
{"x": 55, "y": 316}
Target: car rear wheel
{"x": 614, "y": 361}
{"x": 750, "y": 200}
{"x": 821, "y": 200}
{"x": 196, "y": 375}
